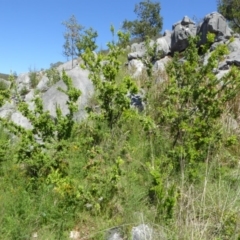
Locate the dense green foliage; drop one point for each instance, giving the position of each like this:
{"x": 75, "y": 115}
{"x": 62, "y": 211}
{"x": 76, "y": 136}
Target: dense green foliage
{"x": 148, "y": 23}
{"x": 87, "y": 41}
{"x": 193, "y": 103}
{"x": 230, "y": 9}
{"x": 112, "y": 95}
{"x": 174, "y": 165}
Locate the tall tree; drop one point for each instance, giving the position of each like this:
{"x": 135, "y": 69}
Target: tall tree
{"x": 72, "y": 37}
{"x": 230, "y": 9}
{"x": 149, "y": 22}
{"x": 87, "y": 40}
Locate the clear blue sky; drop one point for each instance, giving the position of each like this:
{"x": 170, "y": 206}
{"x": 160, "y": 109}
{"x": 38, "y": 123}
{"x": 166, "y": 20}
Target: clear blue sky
{"x": 32, "y": 33}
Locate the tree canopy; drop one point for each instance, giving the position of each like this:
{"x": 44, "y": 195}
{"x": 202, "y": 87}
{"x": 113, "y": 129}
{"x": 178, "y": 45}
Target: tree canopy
{"x": 148, "y": 23}
{"x": 230, "y": 9}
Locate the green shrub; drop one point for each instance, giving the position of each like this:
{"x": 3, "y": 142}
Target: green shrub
{"x": 111, "y": 94}
{"x": 194, "y": 100}
{"x": 34, "y": 78}
{"x": 53, "y": 76}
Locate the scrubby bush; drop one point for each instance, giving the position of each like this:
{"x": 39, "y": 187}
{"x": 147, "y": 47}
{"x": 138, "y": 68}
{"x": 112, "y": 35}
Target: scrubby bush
{"x": 53, "y": 76}
{"x": 34, "y": 78}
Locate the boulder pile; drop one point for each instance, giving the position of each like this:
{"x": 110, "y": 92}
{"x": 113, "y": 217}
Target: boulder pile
{"x": 176, "y": 40}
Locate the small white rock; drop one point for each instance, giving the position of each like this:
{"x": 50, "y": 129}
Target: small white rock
{"x": 74, "y": 235}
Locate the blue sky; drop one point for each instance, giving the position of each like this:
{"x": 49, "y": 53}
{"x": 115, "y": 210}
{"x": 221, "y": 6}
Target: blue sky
{"x": 32, "y": 33}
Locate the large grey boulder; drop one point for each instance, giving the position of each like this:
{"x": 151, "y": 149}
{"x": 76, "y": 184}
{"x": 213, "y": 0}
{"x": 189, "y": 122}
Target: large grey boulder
{"x": 29, "y": 96}
{"x": 214, "y": 23}
{"x": 43, "y": 84}
{"x": 142, "y": 232}
{"x": 138, "y": 50}
{"x": 138, "y": 47}
{"x": 136, "y": 66}
{"x": 159, "y": 68}
{"x": 164, "y": 43}
{"x": 222, "y": 73}
{"x": 234, "y": 59}
{"x": 23, "y": 82}
{"x": 234, "y": 46}
{"x": 7, "y": 109}
{"x": 20, "y": 120}
{"x": 68, "y": 65}
{"x": 10, "y": 112}
{"x": 136, "y": 55}
{"x": 160, "y": 65}
{"x": 53, "y": 97}
{"x": 181, "y": 31}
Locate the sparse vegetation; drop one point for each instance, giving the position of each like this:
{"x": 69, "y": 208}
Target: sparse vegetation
{"x": 53, "y": 76}
{"x": 71, "y": 36}
{"x": 34, "y": 78}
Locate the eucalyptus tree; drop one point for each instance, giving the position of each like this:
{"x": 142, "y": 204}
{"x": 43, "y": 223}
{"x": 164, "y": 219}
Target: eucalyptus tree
{"x": 72, "y": 37}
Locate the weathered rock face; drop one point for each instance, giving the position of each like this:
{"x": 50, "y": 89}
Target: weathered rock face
{"x": 214, "y": 23}
{"x": 43, "y": 84}
{"x": 68, "y": 65}
{"x": 136, "y": 55}
{"x": 9, "y": 111}
{"x": 235, "y": 45}
{"x": 53, "y": 96}
{"x": 160, "y": 68}
{"x": 138, "y": 50}
{"x": 23, "y": 82}
{"x": 136, "y": 66}
{"x": 164, "y": 44}
{"x": 142, "y": 232}
{"x": 161, "y": 64}
{"x": 181, "y": 31}
{"x": 177, "y": 41}
{"x": 234, "y": 57}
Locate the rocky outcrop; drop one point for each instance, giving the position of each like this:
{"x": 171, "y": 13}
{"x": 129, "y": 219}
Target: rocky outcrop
{"x": 136, "y": 66}
{"x": 177, "y": 41}
{"x": 43, "y": 84}
{"x": 53, "y": 97}
{"x": 164, "y": 44}
{"x": 214, "y": 23}
{"x": 181, "y": 32}
{"x": 23, "y": 82}
{"x": 10, "y": 112}
{"x": 138, "y": 50}
{"x": 171, "y": 41}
